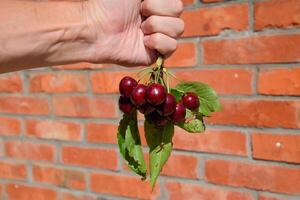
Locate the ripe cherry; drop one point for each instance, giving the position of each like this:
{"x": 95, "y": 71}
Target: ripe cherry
{"x": 125, "y": 105}
{"x": 179, "y": 114}
{"x": 127, "y": 84}
{"x": 138, "y": 95}
{"x": 191, "y": 101}
{"x": 168, "y": 107}
{"x": 157, "y": 119}
{"x": 146, "y": 109}
{"x": 156, "y": 94}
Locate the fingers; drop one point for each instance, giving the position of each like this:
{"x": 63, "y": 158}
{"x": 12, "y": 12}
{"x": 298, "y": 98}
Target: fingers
{"x": 171, "y": 8}
{"x": 170, "y": 26}
{"x": 162, "y": 43}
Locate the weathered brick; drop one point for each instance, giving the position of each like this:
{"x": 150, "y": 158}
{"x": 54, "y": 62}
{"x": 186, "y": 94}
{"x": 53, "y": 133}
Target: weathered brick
{"x": 58, "y": 83}
{"x": 279, "y": 81}
{"x": 29, "y": 151}
{"x": 56, "y": 130}
{"x": 10, "y": 126}
{"x": 65, "y": 178}
{"x": 277, "y": 14}
{"x": 280, "y": 147}
{"x": 12, "y": 170}
{"x": 24, "y": 192}
{"x": 90, "y": 157}
{"x": 253, "y": 175}
{"x": 254, "y": 49}
{"x": 11, "y": 83}
{"x": 122, "y": 185}
{"x": 102, "y": 133}
{"x": 213, "y": 20}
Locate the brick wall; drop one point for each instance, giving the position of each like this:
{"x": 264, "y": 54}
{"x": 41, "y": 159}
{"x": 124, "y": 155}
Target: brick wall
{"x": 58, "y": 126}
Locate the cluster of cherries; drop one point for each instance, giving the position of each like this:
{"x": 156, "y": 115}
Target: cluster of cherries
{"x": 155, "y": 102}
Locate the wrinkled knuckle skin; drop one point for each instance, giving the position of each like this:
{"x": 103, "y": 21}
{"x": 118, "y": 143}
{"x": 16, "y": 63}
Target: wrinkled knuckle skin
{"x": 151, "y": 22}
{"x": 178, "y": 7}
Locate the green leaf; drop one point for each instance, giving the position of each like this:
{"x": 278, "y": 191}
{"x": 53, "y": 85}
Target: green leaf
{"x": 159, "y": 139}
{"x": 209, "y": 101}
{"x": 130, "y": 144}
{"x": 176, "y": 93}
{"x": 194, "y": 124}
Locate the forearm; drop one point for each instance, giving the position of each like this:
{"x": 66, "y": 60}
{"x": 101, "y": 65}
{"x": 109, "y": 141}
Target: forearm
{"x": 42, "y": 33}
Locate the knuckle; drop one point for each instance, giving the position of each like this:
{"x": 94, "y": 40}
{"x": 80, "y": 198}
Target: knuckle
{"x": 178, "y": 7}
{"x": 151, "y": 22}
{"x": 181, "y": 26}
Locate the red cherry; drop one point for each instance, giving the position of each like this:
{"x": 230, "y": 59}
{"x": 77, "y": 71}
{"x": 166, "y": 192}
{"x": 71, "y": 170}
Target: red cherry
{"x": 125, "y": 105}
{"x": 138, "y": 95}
{"x": 169, "y": 106}
{"x": 156, "y": 94}
{"x": 179, "y": 114}
{"x": 146, "y": 109}
{"x": 127, "y": 84}
{"x": 191, "y": 101}
{"x": 157, "y": 119}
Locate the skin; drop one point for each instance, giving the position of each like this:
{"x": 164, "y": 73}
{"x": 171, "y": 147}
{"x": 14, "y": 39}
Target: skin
{"x": 126, "y": 32}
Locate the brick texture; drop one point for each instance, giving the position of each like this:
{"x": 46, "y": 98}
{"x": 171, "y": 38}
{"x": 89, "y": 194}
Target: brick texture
{"x": 58, "y": 125}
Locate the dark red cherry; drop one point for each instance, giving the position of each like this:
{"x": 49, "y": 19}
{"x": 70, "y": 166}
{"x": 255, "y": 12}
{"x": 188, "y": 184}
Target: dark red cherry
{"x": 157, "y": 119}
{"x": 191, "y": 101}
{"x": 146, "y": 109}
{"x": 127, "y": 84}
{"x": 179, "y": 114}
{"x": 138, "y": 95}
{"x": 125, "y": 105}
{"x": 156, "y": 94}
{"x": 168, "y": 106}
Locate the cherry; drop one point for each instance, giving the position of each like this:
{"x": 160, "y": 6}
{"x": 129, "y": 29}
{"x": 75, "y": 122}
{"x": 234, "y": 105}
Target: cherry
{"x": 127, "y": 84}
{"x": 125, "y": 105}
{"x": 138, "y": 95}
{"x": 179, "y": 114}
{"x": 156, "y": 94}
{"x": 191, "y": 101}
{"x": 157, "y": 119}
{"x": 146, "y": 109}
{"x": 169, "y": 106}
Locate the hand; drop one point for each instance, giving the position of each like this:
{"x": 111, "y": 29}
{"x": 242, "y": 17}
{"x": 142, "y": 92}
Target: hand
{"x": 131, "y": 32}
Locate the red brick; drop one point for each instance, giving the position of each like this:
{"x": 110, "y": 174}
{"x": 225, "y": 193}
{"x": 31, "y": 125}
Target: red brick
{"x": 184, "y": 56}
{"x": 90, "y": 157}
{"x": 82, "y": 66}
{"x": 122, "y": 185}
{"x": 258, "y": 113}
{"x": 179, "y": 191}
{"x": 10, "y": 126}
{"x": 29, "y": 151}
{"x": 255, "y": 49}
{"x": 81, "y": 106}
{"x": 103, "y": 133}
{"x": 277, "y": 14}
{"x": 69, "y": 196}
{"x": 279, "y": 81}
{"x": 187, "y": 2}
{"x": 213, "y": 20}
{"x": 12, "y": 170}
{"x": 24, "y": 192}
{"x": 279, "y": 147}
{"x": 1, "y": 192}
{"x": 56, "y": 130}
{"x": 212, "y": 141}
{"x": 108, "y": 82}
{"x": 253, "y": 175}
{"x": 24, "y": 105}
{"x": 58, "y": 83}
{"x": 11, "y": 83}
{"x": 265, "y": 197}
{"x": 224, "y": 81}
{"x": 180, "y": 165}
{"x": 61, "y": 177}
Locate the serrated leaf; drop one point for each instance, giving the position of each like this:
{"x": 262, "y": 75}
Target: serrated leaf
{"x": 130, "y": 144}
{"x": 159, "y": 139}
{"x": 209, "y": 101}
{"x": 193, "y": 124}
{"x": 176, "y": 93}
